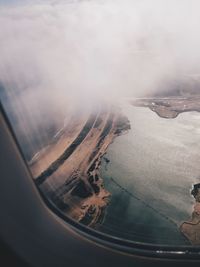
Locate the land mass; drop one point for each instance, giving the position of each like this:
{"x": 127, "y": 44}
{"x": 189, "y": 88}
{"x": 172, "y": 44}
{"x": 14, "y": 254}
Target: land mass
{"x": 191, "y": 229}
{"x": 169, "y": 107}
{"x": 68, "y": 169}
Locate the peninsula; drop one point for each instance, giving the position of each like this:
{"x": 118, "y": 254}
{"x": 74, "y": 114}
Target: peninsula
{"x": 191, "y": 228}
{"x": 67, "y": 170}
{"x": 169, "y": 107}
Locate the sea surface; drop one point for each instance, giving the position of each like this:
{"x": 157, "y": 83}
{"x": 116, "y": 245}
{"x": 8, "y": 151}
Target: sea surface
{"x": 150, "y": 175}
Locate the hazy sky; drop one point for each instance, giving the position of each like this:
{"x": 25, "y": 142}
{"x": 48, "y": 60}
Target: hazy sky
{"x": 96, "y": 47}
{"x": 55, "y": 53}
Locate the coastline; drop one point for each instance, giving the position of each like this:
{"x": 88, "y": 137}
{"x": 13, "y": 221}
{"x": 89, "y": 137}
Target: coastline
{"x": 78, "y": 187}
{"x": 169, "y": 108}
{"x": 191, "y": 229}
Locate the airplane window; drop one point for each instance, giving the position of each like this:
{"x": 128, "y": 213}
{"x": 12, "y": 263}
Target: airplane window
{"x": 104, "y": 99}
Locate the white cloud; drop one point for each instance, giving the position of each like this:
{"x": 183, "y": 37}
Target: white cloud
{"x": 56, "y": 52}
{"x": 114, "y": 46}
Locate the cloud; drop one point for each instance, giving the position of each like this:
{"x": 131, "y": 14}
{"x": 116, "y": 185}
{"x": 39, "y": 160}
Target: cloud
{"x": 82, "y": 47}
{"x": 57, "y": 54}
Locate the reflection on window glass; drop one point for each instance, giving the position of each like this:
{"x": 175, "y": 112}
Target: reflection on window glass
{"x": 104, "y": 98}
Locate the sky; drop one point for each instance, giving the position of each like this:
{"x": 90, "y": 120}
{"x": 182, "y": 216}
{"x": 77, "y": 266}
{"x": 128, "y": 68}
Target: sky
{"x": 55, "y": 55}
{"x": 95, "y": 47}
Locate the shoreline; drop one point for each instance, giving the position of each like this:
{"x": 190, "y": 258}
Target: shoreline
{"x": 80, "y": 191}
{"x": 168, "y": 108}
{"x": 94, "y": 207}
{"x": 191, "y": 229}
{"x": 178, "y": 225}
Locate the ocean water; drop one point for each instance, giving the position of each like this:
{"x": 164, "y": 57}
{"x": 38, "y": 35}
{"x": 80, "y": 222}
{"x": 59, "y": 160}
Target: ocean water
{"x": 150, "y": 175}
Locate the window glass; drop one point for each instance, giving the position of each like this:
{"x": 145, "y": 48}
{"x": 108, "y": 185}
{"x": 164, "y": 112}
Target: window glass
{"x": 104, "y": 98}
